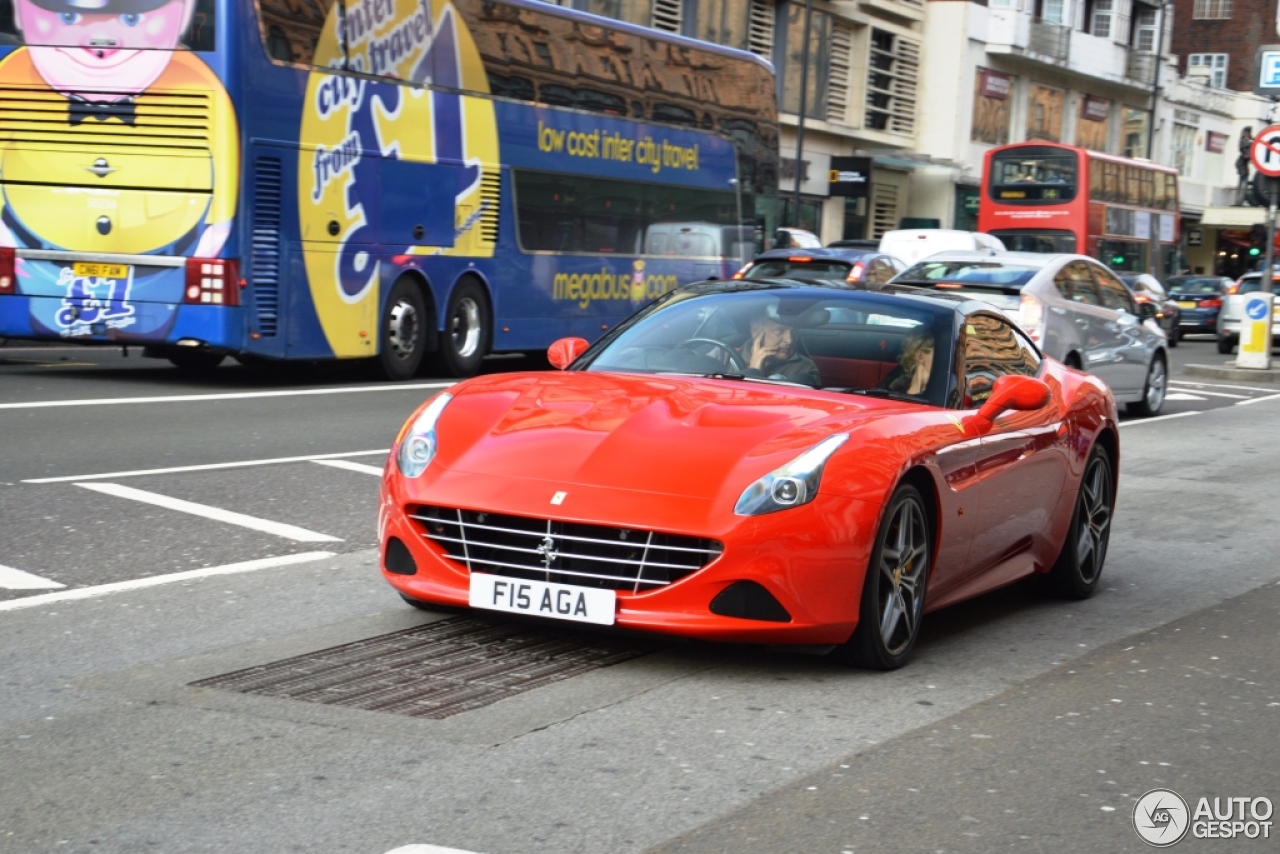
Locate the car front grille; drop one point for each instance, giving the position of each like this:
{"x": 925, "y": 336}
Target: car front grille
{"x": 564, "y": 552}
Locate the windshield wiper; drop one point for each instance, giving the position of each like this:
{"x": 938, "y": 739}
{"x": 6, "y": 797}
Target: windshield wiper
{"x": 724, "y": 375}
{"x": 881, "y": 393}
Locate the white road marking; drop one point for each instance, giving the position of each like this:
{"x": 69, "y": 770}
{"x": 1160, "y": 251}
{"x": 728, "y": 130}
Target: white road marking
{"x": 1258, "y": 400}
{"x": 156, "y": 580}
{"x": 427, "y": 849}
{"x": 1220, "y": 385}
{"x": 206, "y": 467}
{"x": 16, "y": 579}
{"x": 1198, "y": 390}
{"x": 290, "y": 532}
{"x": 347, "y": 465}
{"x": 1134, "y": 421}
{"x": 1182, "y": 395}
{"x": 200, "y": 398}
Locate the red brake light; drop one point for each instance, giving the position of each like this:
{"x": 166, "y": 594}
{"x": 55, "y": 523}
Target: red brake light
{"x": 212, "y": 281}
{"x": 800, "y": 259}
{"x": 855, "y": 272}
{"x": 1211, "y": 303}
{"x": 949, "y": 285}
{"x": 8, "y": 270}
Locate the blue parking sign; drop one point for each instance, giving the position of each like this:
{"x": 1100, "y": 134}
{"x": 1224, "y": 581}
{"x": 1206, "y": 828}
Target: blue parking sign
{"x": 1269, "y": 69}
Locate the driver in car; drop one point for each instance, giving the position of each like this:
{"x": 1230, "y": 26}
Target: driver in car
{"x": 772, "y": 352}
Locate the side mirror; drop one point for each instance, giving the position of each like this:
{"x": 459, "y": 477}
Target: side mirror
{"x": 561, "y": 354}
{"x": 1012, "y": 391}
{"x": 1146, "y": 310}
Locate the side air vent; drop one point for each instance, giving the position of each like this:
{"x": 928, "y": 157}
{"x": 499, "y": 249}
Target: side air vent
{"x": 491, "y": 199}
{"x": 265, "y": 252}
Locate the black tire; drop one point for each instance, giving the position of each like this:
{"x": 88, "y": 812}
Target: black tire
{"x": 1175, "y": 335}
{"x": 468, "y": 330}
{"x": 1225, "y": 345}
{"x": 195, "y": 361}
{"x": 432, "y": 607}
{"x": 1153, "y": 390}
{"x": 893, "y": 590}
{"x": 402, "y": 334}
{"x": 1079, "y": 566}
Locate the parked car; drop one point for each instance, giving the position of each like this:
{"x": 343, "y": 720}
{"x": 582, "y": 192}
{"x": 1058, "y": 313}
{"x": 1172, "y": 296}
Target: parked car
{"x": 1199, "y": 299}
{"x": 1146, "y": 288}
{"x": 1233, "y": 310}
{"x": 661, "y": 483}
{"x": 915, "y": 244}
{"x": 1073, "y": 307}
{"x": 861, "y": 267}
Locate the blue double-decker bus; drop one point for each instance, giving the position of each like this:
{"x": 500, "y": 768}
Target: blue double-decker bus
{"x": 410, "y": 182}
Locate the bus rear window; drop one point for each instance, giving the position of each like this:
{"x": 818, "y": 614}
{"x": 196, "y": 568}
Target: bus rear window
{"x": 1033, "y": 175}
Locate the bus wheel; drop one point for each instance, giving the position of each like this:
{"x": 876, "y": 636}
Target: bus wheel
{"x": 195, "y": 361}
{"x": 465, "y": 339}
{"x": 403, "y": 332}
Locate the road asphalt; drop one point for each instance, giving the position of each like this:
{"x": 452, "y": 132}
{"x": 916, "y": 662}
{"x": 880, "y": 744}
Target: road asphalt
{"x": 1193, "y": 706}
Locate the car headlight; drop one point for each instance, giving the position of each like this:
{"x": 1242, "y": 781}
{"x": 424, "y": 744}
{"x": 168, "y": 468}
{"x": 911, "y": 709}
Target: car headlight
{"x": 794, "y": 484}
{"x": 418, "y": 444}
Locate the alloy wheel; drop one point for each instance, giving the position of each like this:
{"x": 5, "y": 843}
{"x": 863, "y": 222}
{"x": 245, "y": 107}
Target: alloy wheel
{"x": 1094, "y": 519}
{"x": 464, "y": 327}
{"x": 904, "y": 559}
{"x": 402, "y": 329}
{"x": 1156, "y": 381}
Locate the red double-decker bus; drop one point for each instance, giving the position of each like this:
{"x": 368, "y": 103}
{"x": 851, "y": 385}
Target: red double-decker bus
{"x": 1046, "y": 197}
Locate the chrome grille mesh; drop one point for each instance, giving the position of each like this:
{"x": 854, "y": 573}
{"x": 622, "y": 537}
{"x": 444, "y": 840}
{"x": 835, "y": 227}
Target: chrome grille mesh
{"x": 564, "y": 552}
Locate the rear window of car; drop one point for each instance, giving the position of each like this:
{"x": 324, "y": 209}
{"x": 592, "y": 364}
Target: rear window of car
{"x": 1195, "y": 286}
{"x": 972, "y": 275}
{"x": 785, "y": 268}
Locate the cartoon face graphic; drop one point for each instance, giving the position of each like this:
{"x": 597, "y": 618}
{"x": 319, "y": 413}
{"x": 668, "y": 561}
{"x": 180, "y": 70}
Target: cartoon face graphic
{"x": 83, "y": 47}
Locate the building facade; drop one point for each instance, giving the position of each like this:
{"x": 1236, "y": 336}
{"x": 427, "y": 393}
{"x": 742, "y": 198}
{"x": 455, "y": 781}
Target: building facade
{"x": 860, "y": 98}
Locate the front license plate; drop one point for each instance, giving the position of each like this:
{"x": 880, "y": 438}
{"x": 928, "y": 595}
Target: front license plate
{"x": 542, "y": 599}
{"x": 90, "y": 270}
{"x": 1186, "y": 303}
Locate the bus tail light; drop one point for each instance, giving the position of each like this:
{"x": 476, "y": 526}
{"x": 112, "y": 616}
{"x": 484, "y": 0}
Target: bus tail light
{"x": 1031, "y": 317}
{"x": 8, "y": 270}
{"x": 212, "y": 281}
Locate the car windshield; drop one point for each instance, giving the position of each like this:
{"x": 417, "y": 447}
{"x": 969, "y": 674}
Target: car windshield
{"x": 799, "y": 268}
{"x": 998, "y": 275}
{"x": 790, "y": 336}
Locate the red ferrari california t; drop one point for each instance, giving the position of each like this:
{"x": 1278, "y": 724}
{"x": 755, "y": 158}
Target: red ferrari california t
{"x": 761, "y": 461}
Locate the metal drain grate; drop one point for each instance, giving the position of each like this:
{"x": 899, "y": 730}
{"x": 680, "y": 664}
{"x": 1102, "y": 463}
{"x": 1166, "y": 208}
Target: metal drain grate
{"x": 433, "y": 671}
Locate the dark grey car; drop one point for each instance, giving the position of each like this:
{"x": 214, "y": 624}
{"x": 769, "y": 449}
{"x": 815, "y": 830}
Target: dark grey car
{"x": 1073, "y": 307}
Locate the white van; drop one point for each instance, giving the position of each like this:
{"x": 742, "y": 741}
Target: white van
{"x": 712, "y": 250}
{"x": 913, "y": 244}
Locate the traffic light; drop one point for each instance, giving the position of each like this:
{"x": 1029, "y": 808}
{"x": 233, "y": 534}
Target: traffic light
{"x": 1257, "y": 240}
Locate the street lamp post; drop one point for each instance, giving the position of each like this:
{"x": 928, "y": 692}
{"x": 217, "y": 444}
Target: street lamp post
{"x": 804, "y": 87}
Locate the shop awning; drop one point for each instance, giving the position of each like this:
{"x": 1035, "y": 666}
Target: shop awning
{"x": 1233, "y": 217}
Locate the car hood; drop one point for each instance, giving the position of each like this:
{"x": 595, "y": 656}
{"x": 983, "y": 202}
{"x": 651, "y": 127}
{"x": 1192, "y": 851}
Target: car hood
{"x": 669, "y": 435}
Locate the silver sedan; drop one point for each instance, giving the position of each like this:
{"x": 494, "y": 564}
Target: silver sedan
{"x": 1073, "y": 307}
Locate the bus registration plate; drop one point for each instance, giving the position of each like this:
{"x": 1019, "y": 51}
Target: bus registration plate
{"x": 542, "y": 599}
{"x": 91, "y": 270}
